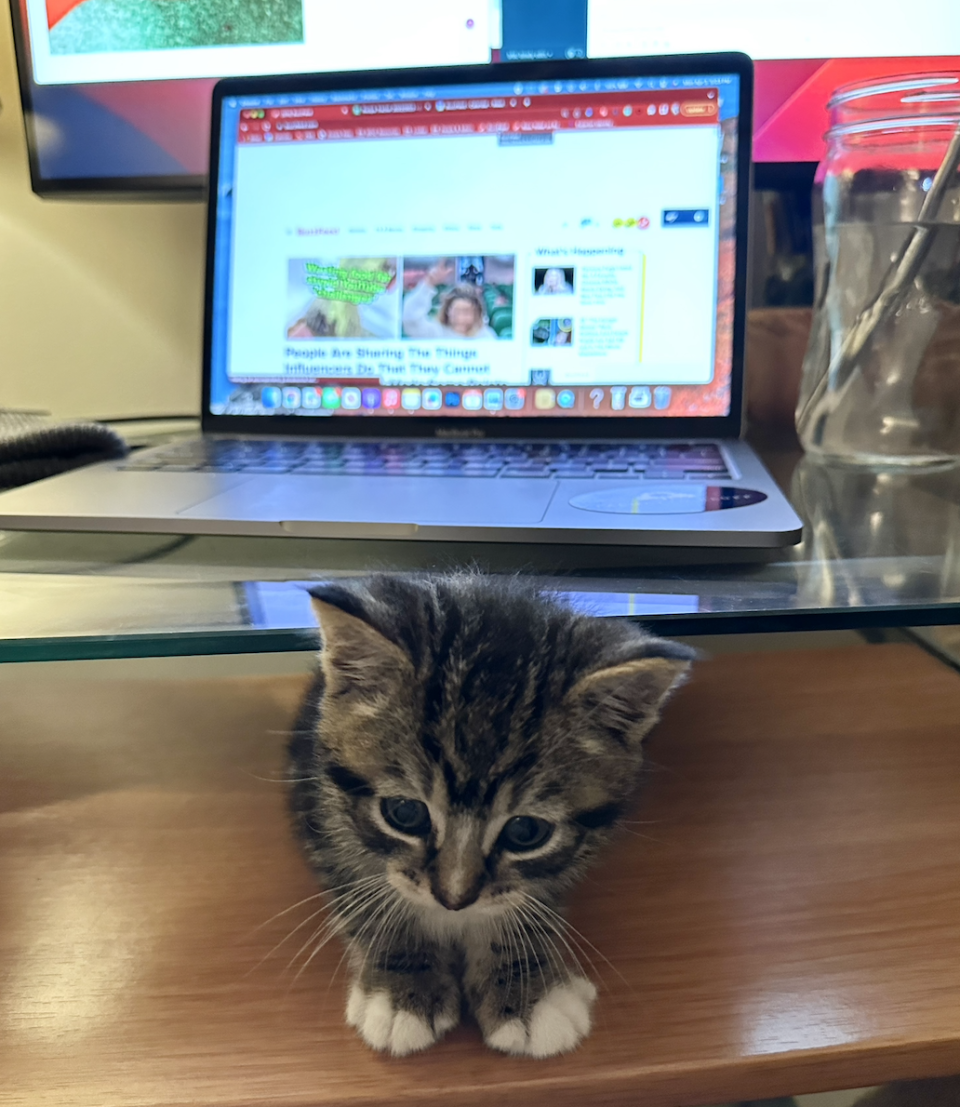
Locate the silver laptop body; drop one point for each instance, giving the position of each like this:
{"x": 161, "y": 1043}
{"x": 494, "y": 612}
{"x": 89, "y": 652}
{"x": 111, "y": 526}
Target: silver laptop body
{"x": 502, "y": 303}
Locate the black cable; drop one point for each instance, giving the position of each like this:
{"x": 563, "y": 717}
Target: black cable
{"x": 171, "y": 547}
{"x": 177, "y": 543}
{"x": 193, "y": 415}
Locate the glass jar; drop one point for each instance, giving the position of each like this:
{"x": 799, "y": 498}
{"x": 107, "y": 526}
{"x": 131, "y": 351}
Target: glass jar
{"x": 881, "y": 376}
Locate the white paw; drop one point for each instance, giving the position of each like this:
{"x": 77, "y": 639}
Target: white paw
{"x": 558, "y": 1022}
{"x": 384, "y": 1027}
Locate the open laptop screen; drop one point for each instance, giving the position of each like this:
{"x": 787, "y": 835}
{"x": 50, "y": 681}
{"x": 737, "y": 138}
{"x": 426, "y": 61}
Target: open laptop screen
{"x": 509, "y": 248}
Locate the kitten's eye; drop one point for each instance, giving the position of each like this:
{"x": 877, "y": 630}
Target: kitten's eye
{"x": 406, "y": 815}
{"x": 525, "y": 832}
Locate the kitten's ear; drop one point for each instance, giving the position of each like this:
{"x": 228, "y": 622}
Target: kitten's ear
{"x": 624, "y": 701}
{"x": 354, "y": 654}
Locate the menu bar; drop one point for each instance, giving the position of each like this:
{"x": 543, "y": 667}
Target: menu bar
{"x": 478, "y": 115}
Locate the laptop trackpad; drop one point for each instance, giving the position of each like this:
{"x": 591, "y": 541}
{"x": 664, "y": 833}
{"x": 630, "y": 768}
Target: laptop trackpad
{"x": 372, "y": 499}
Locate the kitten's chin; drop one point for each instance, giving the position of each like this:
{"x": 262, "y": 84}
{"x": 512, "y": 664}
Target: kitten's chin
{"x": 442, "y": 923}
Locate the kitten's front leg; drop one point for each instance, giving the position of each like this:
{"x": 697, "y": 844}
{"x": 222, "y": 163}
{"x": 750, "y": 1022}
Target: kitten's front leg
{"x": 525, "y": 999}
{"x": 404, "y": 997}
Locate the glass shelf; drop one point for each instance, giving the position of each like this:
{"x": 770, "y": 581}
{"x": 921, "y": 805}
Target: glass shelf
{"x": 879, "y": 549}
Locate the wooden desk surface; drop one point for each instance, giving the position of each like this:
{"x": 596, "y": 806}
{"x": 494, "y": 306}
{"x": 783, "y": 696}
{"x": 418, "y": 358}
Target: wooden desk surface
{"x": 789, "y": 921}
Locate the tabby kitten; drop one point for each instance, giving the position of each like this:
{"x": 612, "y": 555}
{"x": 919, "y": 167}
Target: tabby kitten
{"x": 466, "y": 747}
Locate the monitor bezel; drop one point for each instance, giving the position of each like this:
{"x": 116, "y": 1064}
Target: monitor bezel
{"x": 496, "y": 427}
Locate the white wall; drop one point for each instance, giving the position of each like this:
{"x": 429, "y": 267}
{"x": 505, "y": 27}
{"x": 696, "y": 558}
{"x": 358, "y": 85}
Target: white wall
{"x": 100, "y": 303}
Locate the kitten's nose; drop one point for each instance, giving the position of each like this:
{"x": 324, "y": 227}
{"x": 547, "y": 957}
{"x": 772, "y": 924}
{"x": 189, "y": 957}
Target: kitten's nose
{"x": 455, "y": 902}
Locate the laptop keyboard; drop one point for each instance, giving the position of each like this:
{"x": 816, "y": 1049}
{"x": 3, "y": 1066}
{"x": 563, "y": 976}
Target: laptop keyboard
{"x": 651, "y": 460}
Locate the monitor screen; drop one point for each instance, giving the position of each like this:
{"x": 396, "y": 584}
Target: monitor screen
{"x": 117, "y": 91}
{"x": 494, "y": 249}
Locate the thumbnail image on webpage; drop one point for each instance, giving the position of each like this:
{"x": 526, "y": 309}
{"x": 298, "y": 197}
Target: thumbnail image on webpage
{"x": 410, "y": 297}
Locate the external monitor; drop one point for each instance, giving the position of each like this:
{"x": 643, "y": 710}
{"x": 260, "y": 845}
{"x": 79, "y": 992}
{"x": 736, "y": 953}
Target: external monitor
{"x": 116, "y": 93}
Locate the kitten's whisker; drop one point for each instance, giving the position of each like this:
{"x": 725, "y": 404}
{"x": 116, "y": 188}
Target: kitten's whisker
{"x": 377, "y": 921}
{"x": 387, "y": 927}
{"x": 565, "y": 922}
{"x": 343, "y": 957}
{"x": 524, "y": 979}
{"x": 564, "y": 972}
{"x": 524, "y": 943}
{"x": 285, "y": 911}
{"x": 299, "y": 926}
{"x": 293, "y": 907}
{"x": 524, "y": 936}
{"x": 384, "y": 918}
{"x": 501, "y": 939}
{"x": 324, "y": 940}
{"x": 557, "y": 964}
{"x": 559, "y": 926}
{"x": 528, "y": 921}
{"x": 335, "y": 924}
{"x": 344, "y": 893}
{"x": 637, "y": 834}
{"x": 547, "y": 922}
{"x": 358, "y": 900}
{"x": 329, "y": 925}
{"x": 578, "y": 936}
{"x": 545, "y": 927}
{"x": 657, "y": 767}
{"x": 352, "y": 941}
{"x": 353, "y": 883}
{"x": 338, "y": 926}
{"x": 286, "y": 938}
{"x": 326, "y": 906}
{"x": 277, "y": 779}
{"x": 513, "y": 947}
{"x": 327, "y": 929}
{"x": 557, "y": 921}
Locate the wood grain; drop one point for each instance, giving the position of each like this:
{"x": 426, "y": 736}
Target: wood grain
{"x": 784, "y": 916}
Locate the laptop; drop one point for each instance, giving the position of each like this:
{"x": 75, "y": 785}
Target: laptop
{"x": 485, "y": 304}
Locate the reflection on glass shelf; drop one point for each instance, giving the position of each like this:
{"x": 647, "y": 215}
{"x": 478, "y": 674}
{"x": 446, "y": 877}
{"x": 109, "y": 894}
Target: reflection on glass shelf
{"x": 906, "y": 524}
{"x": 282, "y": 605}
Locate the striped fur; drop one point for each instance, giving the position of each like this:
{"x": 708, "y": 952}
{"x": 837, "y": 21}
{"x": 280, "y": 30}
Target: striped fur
{"x": 482, "y": 701}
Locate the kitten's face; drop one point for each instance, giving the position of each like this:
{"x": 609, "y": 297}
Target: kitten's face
{"x": 475, "y": 755}
{"x": 516, "y": 835}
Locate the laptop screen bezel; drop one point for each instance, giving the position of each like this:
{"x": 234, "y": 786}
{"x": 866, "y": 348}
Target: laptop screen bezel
{"x": 410, "y": 426}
